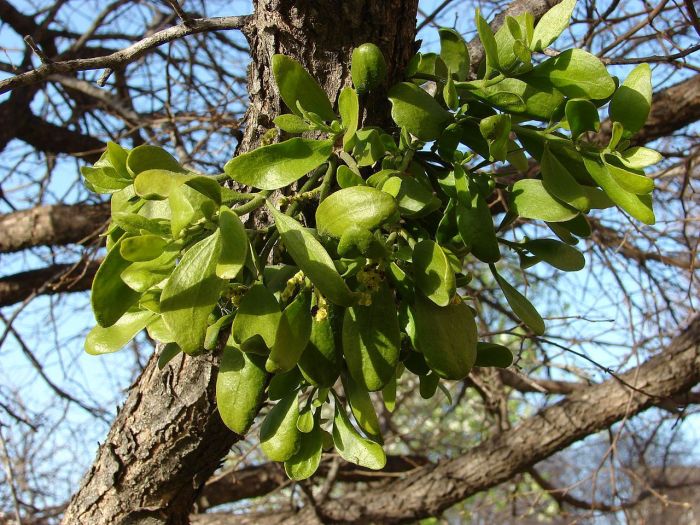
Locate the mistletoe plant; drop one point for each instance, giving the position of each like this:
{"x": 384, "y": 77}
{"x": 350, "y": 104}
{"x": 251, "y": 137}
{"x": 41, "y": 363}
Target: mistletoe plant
{"x": 360, "y": 278}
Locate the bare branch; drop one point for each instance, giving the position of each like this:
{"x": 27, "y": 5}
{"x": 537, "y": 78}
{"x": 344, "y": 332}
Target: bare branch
{"x": 125, "y": 56}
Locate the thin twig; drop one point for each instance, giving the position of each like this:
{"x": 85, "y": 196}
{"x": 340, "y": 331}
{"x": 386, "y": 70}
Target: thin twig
{"x": 124, "y": 56}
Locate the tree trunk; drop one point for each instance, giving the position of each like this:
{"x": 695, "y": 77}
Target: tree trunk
{"x": 168, "y": 438}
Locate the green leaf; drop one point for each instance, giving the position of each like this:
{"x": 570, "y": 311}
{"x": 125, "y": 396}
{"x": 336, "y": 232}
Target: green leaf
{"x": 292, "y": 334}
{"x": 371, "y": 340}
{"x": 297, "y": 86}
{"x": 281, "y": 385}
{"x": 183, "y": 212}
{"x": 234, "y": 245}
{"x": 146, "y": 157}
{"x": 454, "y": 52}
{"x": 352, "y": 446}
{"x": 557, "y": 254}
{"x": 428, "y": 385}
{"x": 305, "y": 462}
{"x": 158, "y": 331}
{"x": 321, "y": 362}
{"x": 446, "y": 336}
{"x": 292, "y": 124}
{"x": 280, "y": 438}
{"x": 305, "y": 422}
{"x": 631, "y": 180}
{"x": 347, "y": 178}
{"x": 582, "y": 116}
{"x": 576, "y": 73}
{"x": 432, "y": 272}
{"x": 639, "y": 158}
{"x": 240, "y": 384}
{"x": 115, "y": 157}
{"x": 362, "y": 408}
{"x": 488, "y": 40}
{"x": 413, "y": 198}
{"x": 349, "y": 109}
{"x": 313, "y": 259}
{"x": 141, "y": 276}
{"x": 278, "y": 165}
{"x": 157, "y": 184}
{"x": 107, "y": 340}
{"x": 637, "y": 206}
{"x": 530, "y": 200}
{"x": 104, "y": 180}
{"x": 168, "y": 353}
{"x": 516, "y": 96}
{"x": 552, "y": 24}
{"x": 191, "y": 293}
{"x": 496, "y": 130}
{"x": 211, "y": 338}
{"x": 135, "y": 223}
{"x": 257, "y": 320}
{"x": 450, "y": 96}
{"x": 631, "y": 103}
{"x": 142, "y": 247}
{"x": 357, "y": 241}
{"x": 418, "y": 112}
{"x": 477, "y": 231}
{"x": 492, "y": 354}
{"x": 522, "y": 308}
{"x": 389, "y": 394}
{"x": 361, "y": 206}
{"x": 110, "y": 296}
{"x": 367, "y": 68}
{"x": 512, "y": 36}
{"x": 561, "y": 184}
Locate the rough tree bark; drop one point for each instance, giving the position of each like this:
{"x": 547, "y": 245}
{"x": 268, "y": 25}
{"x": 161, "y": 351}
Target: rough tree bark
{"x": 168, "y": 438}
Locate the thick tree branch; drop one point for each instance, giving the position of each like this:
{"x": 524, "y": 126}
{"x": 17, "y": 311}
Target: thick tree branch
{"x": 59, "y": 224}
{"x": 432, "y": 489}
{"x": 59, "y": 278}
{"x": 258, "y": 480}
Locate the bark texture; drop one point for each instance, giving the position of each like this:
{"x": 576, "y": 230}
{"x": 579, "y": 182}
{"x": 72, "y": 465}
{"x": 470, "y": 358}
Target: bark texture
{"x": 58, "y": 278}
{"x": 59, "y": 224}
{"x": 168, "y": 438}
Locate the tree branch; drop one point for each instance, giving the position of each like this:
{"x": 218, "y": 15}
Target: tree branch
{"x": 124, "y": 56}
{"x": 431, "y": 490}
{"x": 59, "y": 224}
{"x": 58, "y": 278}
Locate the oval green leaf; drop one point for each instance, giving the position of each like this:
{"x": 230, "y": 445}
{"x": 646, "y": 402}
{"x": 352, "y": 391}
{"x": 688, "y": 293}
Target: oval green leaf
{"x": 361, "y": 206}
{"x": 278, "y": 165}
{"x": 492, "y": 354}
{"x": 521, "y": 307}
{"x": 240, "y": 384}
{"x": 313, "y": 259}
{"x": 107, "y": 340}
{"x": 110, "y": 296}
{"x": 234, "y": 245}
{"x": 191, "y": 293}
{"x": 432, "y": 272}
{"x": 446, "y": 336}
{"x": 352, "y": 446}
{"x": 418, "y": 112}
{"x": 530, "y": 200}
{"x": 296, "y": 85}
{"x": 280, "y": 438}
{"x": 372, "y": 339}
